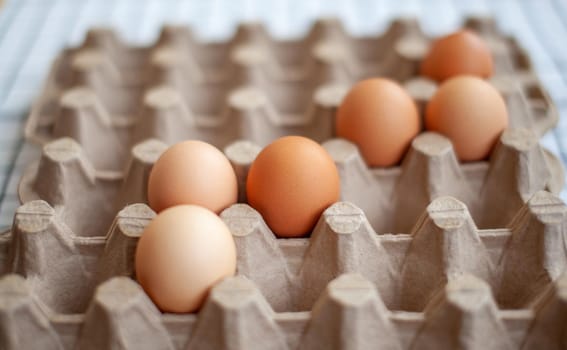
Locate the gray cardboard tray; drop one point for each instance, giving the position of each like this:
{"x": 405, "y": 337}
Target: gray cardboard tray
{"x": 69, "y": 276}
{"x": 428, "y": 254}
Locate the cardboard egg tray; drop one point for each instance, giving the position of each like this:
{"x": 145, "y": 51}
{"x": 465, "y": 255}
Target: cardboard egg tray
{"x": 428, "y": 254}
{"x": 69, "y": 279}
{"x": 250, "y": 87}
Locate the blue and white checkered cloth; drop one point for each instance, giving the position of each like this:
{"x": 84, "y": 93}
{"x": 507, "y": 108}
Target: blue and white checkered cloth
{"x": 32, "y": 32}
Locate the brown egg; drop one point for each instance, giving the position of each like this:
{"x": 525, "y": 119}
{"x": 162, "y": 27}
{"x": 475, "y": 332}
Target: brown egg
{"x": 381, "y": 118}
{"x": 192, "y": 172}
{"x": 459, "y": 53}
{"x": 291, "y": 182}
{"x": 470, "y": 112}
{"x": 181, "y": 254}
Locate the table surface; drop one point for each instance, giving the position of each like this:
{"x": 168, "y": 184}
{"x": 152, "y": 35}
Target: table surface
{"x": 32, "y": 32}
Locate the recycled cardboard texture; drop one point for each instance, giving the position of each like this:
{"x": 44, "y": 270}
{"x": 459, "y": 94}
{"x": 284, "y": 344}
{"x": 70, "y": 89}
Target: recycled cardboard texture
{"x": 250, "y": 87}
{"x": 429, "y": 254}
{"x": 444, "y": 276}
{"x": 65, "y": 249}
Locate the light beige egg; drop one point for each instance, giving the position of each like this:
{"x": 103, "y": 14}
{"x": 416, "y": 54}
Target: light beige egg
{"x": 181, "y": 255}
